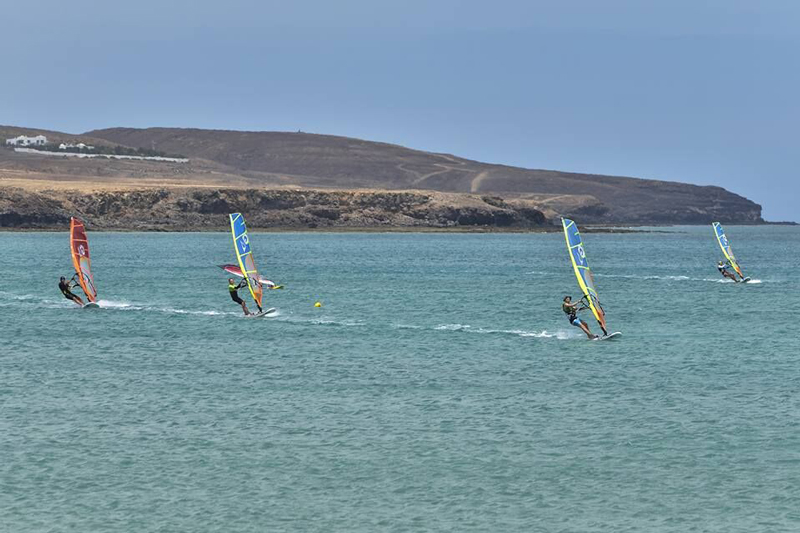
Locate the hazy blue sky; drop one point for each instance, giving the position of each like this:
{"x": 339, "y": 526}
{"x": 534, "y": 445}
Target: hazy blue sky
{"x": 687, "y": 90}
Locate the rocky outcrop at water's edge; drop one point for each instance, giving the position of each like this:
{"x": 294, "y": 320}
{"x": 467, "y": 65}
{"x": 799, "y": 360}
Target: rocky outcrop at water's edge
{"x": 186, "y": 209}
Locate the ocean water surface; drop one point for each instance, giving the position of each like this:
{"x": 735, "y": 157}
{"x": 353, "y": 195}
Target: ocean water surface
{"x": 438, "y": 388}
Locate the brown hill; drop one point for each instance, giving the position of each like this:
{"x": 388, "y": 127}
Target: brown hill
{"x": 269, "y": 160}
{"x": 311, "y": 160}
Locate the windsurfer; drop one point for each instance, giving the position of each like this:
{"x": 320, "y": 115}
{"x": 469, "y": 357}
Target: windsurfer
{"x": 723, "y": 269}
{"x": 66, "y": 287}
{"x": 233, "y": 288}
{"x": 571, "y": 310}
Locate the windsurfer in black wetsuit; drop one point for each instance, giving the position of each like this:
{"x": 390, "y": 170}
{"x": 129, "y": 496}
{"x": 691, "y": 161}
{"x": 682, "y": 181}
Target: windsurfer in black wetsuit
{"x": 571, "y": 310}
{"x": 233, "y": 289}
{"x": 723, "y": 269}
{"x": 66, "y": 286}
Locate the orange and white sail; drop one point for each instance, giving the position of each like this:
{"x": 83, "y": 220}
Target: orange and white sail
{"x": 79, "y": 247}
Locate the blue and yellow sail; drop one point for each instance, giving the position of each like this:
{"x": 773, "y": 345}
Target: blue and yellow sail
{"x": 582, "y": 271}
{"x": 726, "y": 247}
{"x": 244, "y": 254}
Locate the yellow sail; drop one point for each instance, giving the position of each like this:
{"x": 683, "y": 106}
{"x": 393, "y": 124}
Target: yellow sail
{"x": 582, "y": 271}
{"x": 726, "y": 247}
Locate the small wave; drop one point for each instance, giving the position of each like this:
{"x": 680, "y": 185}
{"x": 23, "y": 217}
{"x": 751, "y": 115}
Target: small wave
{"x": 318, "y": 321}
{"x": 652, "y": 277}
{"x": 23, "y": 297}
{"x": 452, "y": 327}
{"x": 326, "y": 322}
{"x": 188, "y": 312}
{"x": 31, "y": 298}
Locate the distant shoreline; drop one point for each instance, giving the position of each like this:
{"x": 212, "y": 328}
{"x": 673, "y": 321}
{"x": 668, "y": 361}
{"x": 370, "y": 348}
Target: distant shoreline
{"x": 330, "y": 176}
{"x": 588, "y": 228}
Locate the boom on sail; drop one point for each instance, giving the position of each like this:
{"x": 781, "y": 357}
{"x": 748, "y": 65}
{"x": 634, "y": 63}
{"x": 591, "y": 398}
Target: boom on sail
{"x": 237, "y": 271}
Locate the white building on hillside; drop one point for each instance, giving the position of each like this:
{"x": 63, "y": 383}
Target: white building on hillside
{"x": 23, "y": 140}
{"x": 80, "y": 146}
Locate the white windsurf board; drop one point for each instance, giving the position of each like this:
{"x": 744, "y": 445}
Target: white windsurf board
{"x": 610, "y": 336}
{"x": 262, "y": 314}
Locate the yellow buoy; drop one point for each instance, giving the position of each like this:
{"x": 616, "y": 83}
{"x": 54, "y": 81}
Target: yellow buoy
{"x": 318, "y": 304}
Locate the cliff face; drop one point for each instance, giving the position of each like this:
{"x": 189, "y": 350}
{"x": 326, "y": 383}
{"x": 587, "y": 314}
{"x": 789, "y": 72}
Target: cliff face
{"x": 197, "y": 209}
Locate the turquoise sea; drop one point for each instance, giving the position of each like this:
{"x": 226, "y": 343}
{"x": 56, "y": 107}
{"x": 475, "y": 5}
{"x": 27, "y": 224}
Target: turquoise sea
{"x": 439, "y": 388}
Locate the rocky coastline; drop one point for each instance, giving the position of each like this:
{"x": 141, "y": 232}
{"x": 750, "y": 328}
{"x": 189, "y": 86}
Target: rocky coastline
{"x": 198, "y": 209}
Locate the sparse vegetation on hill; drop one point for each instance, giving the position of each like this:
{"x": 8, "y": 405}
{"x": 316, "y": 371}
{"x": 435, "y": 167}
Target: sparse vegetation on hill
{"x": 311, "y": 160}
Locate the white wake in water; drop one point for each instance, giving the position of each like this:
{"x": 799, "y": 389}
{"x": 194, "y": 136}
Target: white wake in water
{"x": 291, "y": 319}
{"x": 128, "y": 306}
{"x": 672, "y": 278}
{"x": 726, "y": 280}
{"x": 110, "y": 304}
{"x": 544, "y": 334}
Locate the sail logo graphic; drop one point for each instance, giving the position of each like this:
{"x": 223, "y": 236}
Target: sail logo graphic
{"x": 581, "y": 252}
{"x": 244, "y": 244}
{"x": 82, "y": 250}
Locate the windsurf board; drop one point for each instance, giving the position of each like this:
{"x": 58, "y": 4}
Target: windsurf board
{"x": 609, "y": 336}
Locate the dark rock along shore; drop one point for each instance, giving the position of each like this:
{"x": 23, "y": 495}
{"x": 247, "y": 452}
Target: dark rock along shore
{"x": 205, "y": 209}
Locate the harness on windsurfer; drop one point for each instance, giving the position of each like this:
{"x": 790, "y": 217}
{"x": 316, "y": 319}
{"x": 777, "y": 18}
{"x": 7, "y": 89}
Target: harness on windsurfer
{"x": 66, "y": 289}
{"x": 723, "y": 269}
{"x": 571, "y": 310}
{"x": 233, "y": 289}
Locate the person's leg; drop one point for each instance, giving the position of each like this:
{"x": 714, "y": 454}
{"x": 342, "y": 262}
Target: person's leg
{"x": 77, "y": 300}
{"x": 244, "y": 308}
{"x": 581, "y": 324}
